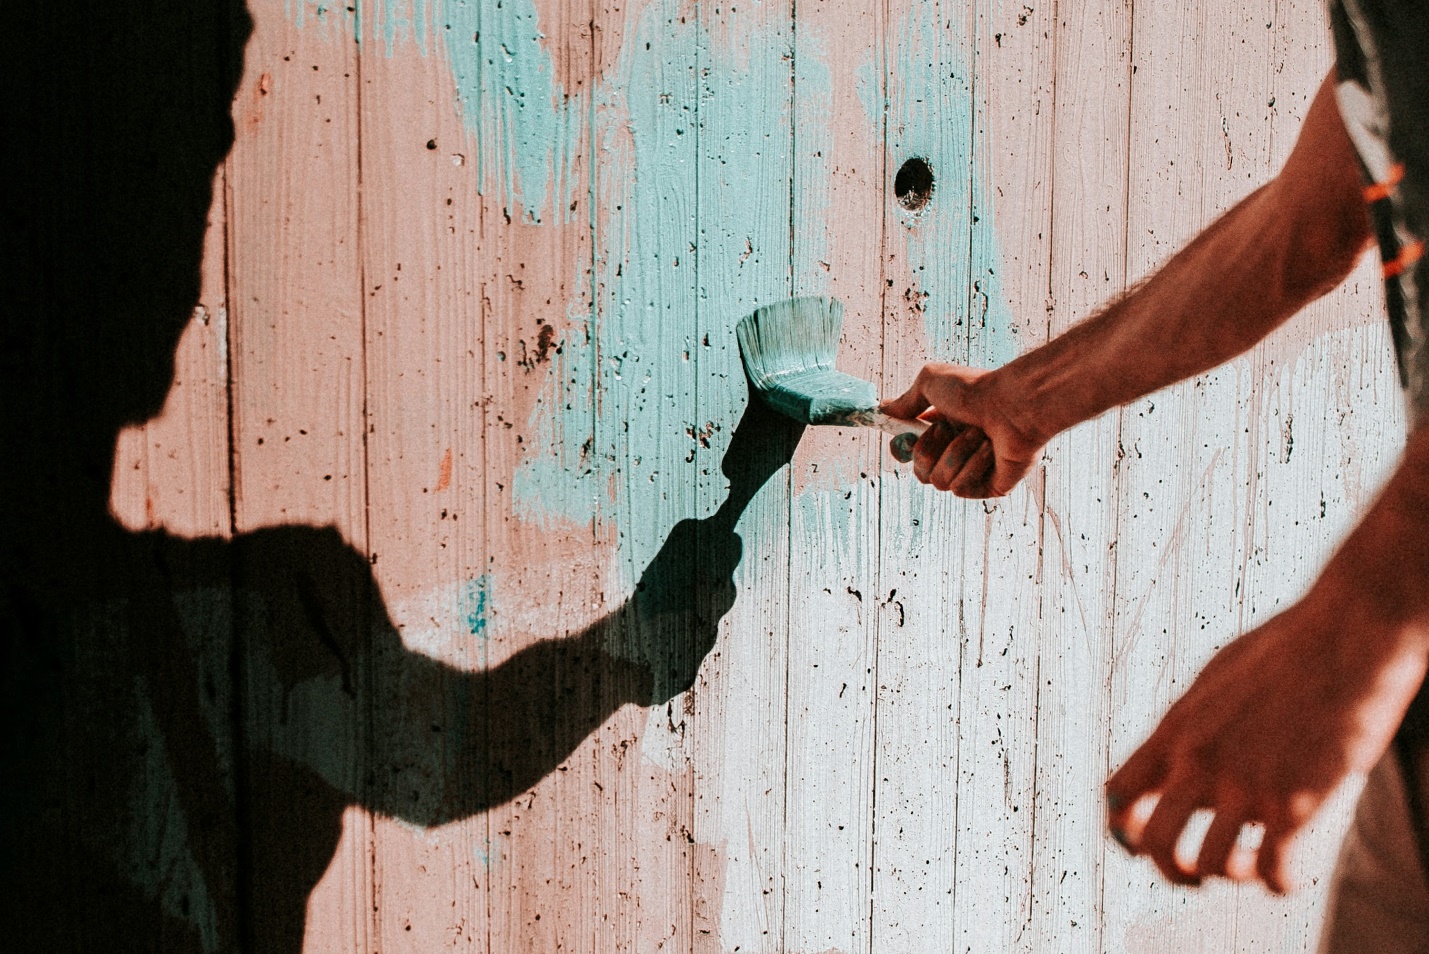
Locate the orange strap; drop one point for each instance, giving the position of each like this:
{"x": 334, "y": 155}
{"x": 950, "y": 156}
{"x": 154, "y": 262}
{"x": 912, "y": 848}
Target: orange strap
{"x": 1383, "y": 190}
{"x": 1408, "y": 255}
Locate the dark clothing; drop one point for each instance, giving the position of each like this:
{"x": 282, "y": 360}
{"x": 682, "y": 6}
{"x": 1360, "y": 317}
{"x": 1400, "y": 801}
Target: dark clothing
{"x": 1383, "y": 94}
{"x": 1382, "y": 52}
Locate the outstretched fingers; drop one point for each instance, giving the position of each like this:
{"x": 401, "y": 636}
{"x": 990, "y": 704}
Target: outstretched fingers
{"x": 1163, "y": 832}
{"x": 1272, "y": 862}
{"x": 1142, "y": 775}
{"x": 1219, "y": 855}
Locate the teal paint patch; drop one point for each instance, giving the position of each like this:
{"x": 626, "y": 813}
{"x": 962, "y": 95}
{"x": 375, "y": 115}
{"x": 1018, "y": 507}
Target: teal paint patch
{"x": 395, "y": 21}
{"x": 528, "y": 130}
{"x": 471, "y": 605}
{"x": 932, "y": 117}
{"x": 484, "y": 856}
{"x": 325, "y": 15}
{"x": 677, "y": 124}
{"x": 688, "y": 136}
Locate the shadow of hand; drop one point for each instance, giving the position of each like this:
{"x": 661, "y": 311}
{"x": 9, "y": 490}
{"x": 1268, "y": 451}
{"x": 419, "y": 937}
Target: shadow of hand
{"x": 673, "y": 618}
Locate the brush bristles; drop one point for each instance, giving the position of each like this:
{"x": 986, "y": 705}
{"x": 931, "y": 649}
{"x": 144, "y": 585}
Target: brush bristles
{"x": 787, "y": 337}
{"x": 789, "y": 349}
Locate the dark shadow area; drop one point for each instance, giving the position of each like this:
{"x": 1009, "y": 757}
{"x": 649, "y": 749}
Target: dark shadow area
{"x": 185, "y": 721}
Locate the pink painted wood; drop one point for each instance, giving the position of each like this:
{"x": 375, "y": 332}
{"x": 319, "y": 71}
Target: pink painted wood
{"x": 468, "y": 301}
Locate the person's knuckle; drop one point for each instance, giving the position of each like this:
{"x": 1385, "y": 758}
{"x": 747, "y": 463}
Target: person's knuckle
{"x": 1299, "y": 809}
{"x": 1199, "y": 758}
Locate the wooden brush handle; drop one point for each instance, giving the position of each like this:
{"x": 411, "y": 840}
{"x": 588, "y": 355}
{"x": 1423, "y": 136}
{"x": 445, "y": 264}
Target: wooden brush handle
{"x": 905, "y": 433}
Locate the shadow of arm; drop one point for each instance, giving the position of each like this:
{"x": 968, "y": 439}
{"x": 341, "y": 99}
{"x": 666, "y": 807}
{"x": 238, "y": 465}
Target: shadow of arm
{"x": 447, "y": 743}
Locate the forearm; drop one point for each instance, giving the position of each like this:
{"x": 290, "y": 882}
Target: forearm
{"x": 1275, "y": 251}
{"x": 1378, "y": 581}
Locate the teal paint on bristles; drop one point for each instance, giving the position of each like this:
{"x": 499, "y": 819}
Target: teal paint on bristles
{"x": 789, "y": 349}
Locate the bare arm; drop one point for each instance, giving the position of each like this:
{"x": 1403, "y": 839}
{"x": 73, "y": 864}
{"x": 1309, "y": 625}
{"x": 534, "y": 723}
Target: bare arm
{"x": 1281, "y": 247}
{"x": 1283, "y": 714}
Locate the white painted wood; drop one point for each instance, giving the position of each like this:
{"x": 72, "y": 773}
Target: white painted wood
{"x": 838, "y": 196}
{"x": 1086, "y": 266}
{"x": 1208, "y": 471}
{"x": 738, "y": 713}
{"x": 899, "y": 738}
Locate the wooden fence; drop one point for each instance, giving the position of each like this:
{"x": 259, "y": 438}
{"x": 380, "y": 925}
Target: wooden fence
{"x": 470, "y": 286}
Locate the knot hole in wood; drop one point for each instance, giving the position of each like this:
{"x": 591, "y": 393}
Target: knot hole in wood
{"x": 913, "y": 186}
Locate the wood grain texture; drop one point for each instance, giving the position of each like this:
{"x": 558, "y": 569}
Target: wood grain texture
{"x": 1086, "y": 251}
{"x": 738, "y": 717}
{"x": 562, "y": 675}
{"x": 172, "y": 471}
{"x": 423, "y": 341}
{"x": 299, "y": 383}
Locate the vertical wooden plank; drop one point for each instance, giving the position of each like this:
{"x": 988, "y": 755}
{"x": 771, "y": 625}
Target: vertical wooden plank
{"x": 1001, "y": 678}
{"x": 1085, "y": 254}
{"x": 172, "y": 471}
{"x": 745, "y": 173}
{"x": 423, "y": 262}
{"x": 975, "y": 760}
{"x": 835, "y": 590}
{"x": 918, "y": 829}
{"x": 545, "y": 860}
{"x": 1178, "y": 463}
{"x": 1316, "y": 447}
{"x": 297, "y": 358}
{"x": 645, "y": 355}
{"x": 834, "y": 517}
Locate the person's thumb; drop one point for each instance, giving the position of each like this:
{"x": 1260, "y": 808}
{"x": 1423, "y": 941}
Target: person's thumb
{"x": 912, "y": 402}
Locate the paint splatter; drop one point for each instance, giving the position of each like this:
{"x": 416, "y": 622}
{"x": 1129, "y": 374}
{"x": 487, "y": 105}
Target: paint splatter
{"x": 444, "y": 471}
{"x": 658, "y": 338}
{"x": 472, "y": 605}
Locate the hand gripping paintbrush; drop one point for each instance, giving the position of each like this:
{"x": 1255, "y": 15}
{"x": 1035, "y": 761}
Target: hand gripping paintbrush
{"x": 788, "y": 349}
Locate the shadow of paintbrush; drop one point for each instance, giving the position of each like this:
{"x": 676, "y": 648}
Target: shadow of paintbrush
{"x": 671, "y": 622}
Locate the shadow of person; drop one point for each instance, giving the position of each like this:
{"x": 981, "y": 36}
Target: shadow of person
{"x": 186, "y": 720}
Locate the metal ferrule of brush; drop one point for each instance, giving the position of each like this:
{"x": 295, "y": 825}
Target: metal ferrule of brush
{"x": 789, "y": 348}
{"x": 905, "y": 433}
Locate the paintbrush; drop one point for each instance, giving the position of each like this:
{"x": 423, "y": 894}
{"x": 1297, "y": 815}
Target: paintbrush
{"x": 788, "y": 349}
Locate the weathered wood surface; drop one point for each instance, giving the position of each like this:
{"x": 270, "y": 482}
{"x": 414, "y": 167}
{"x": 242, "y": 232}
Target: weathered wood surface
{"x": 469, "y": 295}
